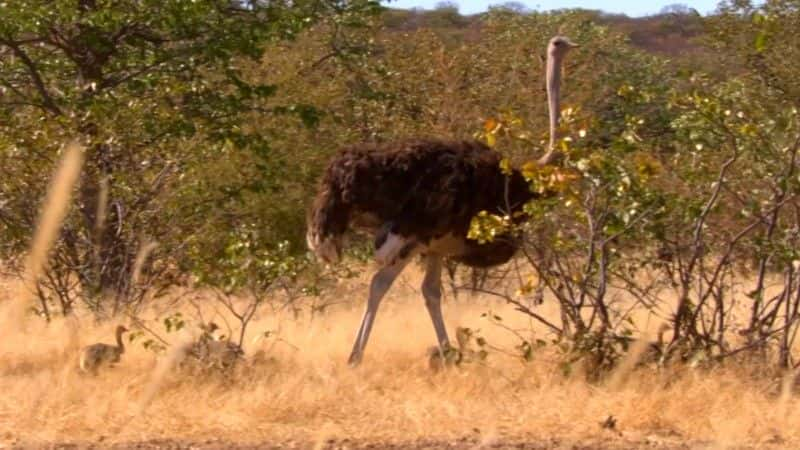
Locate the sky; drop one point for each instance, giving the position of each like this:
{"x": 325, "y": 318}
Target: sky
{"x": 633, "y": 8}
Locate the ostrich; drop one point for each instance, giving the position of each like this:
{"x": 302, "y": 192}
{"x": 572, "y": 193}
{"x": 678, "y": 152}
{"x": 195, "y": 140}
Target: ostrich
{"x": 418, "y": 196}
{"x": 210, "y": 353}
{"x": 96, "y": 355}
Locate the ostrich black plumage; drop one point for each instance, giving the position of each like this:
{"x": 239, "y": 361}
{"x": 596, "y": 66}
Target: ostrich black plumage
{"x": 418, "y": 196}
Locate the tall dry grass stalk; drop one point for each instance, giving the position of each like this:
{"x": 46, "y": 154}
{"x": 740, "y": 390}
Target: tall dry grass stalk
{"x": 54, "y": 209}
{"x": 102, "y": 208}
{"x": 788, "y": 384}
{"x": 141, "y": 256}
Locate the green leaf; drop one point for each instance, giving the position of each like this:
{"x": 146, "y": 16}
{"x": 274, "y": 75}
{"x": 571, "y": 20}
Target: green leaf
{"x": 760, "y": 43}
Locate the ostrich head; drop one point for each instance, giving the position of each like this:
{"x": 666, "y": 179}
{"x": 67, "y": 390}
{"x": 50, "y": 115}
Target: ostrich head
{"x": 557, "y": 49}
{"x": 120, "y": 329}
{"x": 559, "y": 46}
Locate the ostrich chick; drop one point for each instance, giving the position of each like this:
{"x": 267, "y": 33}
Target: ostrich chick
{"x": 96, "y": 355}
{"x": 210, "y": 353}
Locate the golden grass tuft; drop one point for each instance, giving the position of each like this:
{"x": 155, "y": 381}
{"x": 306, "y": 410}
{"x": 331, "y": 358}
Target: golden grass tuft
{"x": 303, "y": 392}
{"x": 54, "y": 209}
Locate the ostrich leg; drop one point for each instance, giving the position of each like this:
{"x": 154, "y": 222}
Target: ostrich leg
{"x": 381, "y": 282}
{"x": 432, "y": 291}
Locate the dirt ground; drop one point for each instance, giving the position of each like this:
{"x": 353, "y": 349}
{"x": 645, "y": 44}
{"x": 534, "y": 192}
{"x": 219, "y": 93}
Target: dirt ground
{"x": 609, "y": 443}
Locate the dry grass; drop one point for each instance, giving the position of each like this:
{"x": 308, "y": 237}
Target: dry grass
{"x": 54, "y": 209}
{"x": 303, "y": 392}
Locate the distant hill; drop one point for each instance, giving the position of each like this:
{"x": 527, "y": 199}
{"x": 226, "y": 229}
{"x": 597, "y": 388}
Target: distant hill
{"x": 672, "y": 32}
{"x": 669, "y": 33}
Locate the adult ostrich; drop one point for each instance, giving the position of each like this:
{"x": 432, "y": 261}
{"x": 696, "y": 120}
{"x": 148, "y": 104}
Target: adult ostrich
{"x": 418, "y": 196}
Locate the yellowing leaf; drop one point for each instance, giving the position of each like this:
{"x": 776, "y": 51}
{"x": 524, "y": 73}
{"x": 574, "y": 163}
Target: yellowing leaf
{"x": 529, "y": 170}
{"x": 505, "y": 166}
{"x": 760, "y": 43}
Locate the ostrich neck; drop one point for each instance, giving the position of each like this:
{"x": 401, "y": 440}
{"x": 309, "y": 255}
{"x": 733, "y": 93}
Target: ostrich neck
{"x": 554, "y": 97}
{"x": 554, "y": 104}
{"x": 120, "y": 344}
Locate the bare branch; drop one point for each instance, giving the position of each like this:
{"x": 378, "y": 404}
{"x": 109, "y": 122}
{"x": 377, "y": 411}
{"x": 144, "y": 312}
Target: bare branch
{"x": 47, "y": 100}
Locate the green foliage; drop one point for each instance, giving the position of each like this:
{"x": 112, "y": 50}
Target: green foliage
{"x": 679, "y": 172}
{"x": 164, "y": 96}
{"x": 244, "y": 265}
{"x": 174, "y": 322}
